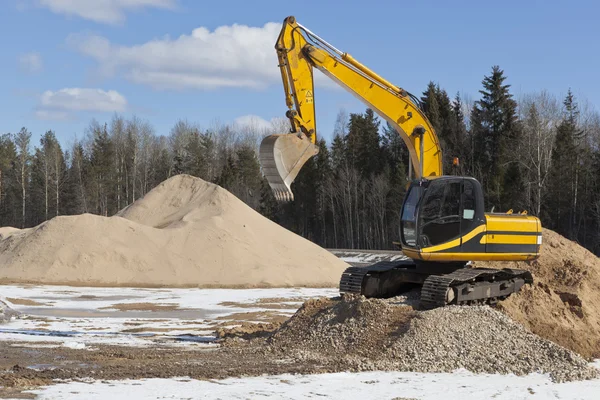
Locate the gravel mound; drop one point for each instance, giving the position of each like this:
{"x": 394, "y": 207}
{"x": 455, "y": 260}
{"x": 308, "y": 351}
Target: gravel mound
{"x": 372, "y": 334}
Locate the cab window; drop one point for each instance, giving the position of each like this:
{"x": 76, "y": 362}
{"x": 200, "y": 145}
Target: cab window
{"x": 409, "y": 216}
{"x": 440, "y": 214}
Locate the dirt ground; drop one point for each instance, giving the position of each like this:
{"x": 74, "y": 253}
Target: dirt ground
{"x": 325, "y": 335}
{"x": 26, "y": 367}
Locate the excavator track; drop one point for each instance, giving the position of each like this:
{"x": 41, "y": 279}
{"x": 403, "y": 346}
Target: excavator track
{"x": 353, "y": 278}
{"x": 469, "y": 286}
{"x": 463, "y": 286}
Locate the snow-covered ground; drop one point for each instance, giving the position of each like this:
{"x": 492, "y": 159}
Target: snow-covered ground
{"x": 347, "y": 386}
{"x": 83, "y": 317}
{"x": 79, "y": 316}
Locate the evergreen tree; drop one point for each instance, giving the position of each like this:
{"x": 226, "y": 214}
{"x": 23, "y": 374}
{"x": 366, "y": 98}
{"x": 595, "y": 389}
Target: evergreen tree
{"x": 249, "y": 175}
{"x": 101, "y": 164}
{"x": 364, "y": 150}
{"x": 562, "y": 188}
{"x": 431, "y": 107}
{"x": 268, "y": 205}
{"x": 439, "y": 111}
{"x": 9, "y": 203}
{"x": 228, "y": 177}
{"x": 496, "y": 133}
{"x": 194, "y": 162}
{"x": 459, "y": 133}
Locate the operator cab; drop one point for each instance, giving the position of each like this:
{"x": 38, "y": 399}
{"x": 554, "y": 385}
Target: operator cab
{"x": 438, "y": 210}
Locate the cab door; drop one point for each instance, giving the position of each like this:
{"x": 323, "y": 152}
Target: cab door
{"x": 440, "y": 213}
{"x": 471, "y": 216}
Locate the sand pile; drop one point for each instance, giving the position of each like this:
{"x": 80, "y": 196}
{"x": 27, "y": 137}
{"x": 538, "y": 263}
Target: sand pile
{"x": 562, "y": 304}
{"x": 371, "y": 334}
{"x": 185, "y": 232}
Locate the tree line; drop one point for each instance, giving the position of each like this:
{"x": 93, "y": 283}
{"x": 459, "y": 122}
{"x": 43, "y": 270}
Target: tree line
{"x": 535, "y": 153}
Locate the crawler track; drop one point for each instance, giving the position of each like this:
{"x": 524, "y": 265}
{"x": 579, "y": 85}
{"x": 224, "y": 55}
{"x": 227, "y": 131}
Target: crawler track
{"x": 463, "y": 286}
{"x": 467, "y": 286}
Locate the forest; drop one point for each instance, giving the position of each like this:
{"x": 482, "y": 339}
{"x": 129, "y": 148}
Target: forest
{"x": 537, "y": 153}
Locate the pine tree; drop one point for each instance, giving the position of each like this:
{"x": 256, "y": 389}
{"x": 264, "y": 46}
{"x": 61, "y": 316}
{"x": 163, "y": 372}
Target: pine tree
{"x": 496, "y": 133}
{"x": 364, "y": 150}
{"x": 563, "y": 171}
{"x": 78, "y": 182}
{"x": 249, "y": 175}
{"x": 431, "y": 107}
{"x": 228, "y": 177}
{"x": 8, "y": 186}
{"x": 268, "y": 205}
{"x": 101, "y": 162}
{"x": 440, "y": 112}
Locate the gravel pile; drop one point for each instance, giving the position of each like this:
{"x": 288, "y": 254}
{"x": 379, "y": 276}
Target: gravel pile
{"x": 6, "y": 313}
{"x": 372, "y": 334}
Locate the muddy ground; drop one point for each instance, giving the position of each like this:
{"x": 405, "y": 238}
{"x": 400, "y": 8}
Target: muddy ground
{"x": 25, "y": 367}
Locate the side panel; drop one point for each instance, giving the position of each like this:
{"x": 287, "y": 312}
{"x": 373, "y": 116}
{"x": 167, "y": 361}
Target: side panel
{"x": 507, "y": 233}
{"x": 504, "y": 237}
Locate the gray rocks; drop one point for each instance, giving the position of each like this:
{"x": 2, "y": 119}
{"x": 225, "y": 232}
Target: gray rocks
{"x": 371, "y": 334}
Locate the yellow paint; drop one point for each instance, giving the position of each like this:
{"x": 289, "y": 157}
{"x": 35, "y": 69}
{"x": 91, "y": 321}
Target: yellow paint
{"x": 480, "y": 256}
{"x": 512, "y": 223}
{"x": 511, "y": 239}
{"x": 297, "y": 59}
{"x": 455, "y": 242}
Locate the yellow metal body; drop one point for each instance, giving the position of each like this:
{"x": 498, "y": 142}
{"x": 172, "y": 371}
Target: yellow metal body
{"x": 503, "y": 237}
{"x": 299, "y": 51}
{"x": 297, "y": 59}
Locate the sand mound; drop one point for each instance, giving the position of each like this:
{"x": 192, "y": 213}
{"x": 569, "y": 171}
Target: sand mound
{"x": 185, "y": 232}
{"x": 562, "y": 304}
{"x": 371, "y": 334}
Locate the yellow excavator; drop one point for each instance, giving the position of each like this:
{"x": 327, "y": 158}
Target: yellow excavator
{"x": 443, "y": 224}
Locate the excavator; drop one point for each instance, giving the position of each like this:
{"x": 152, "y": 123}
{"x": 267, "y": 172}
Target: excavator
{"x": 443, "y": 224}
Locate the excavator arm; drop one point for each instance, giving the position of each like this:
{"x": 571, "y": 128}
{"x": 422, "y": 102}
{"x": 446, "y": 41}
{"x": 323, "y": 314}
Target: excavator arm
{"x": 300, "y": 52}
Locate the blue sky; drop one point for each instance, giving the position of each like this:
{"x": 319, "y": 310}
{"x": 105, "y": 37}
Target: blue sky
{"x": 68, "y": 61}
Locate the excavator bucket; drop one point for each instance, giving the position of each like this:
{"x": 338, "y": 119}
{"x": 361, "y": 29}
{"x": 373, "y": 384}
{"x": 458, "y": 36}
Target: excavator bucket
{"x": 281, "y": 158}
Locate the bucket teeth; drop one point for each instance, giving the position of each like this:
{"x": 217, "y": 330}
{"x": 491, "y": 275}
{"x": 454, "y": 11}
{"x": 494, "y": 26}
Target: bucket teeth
{"x": 283, "y": 195}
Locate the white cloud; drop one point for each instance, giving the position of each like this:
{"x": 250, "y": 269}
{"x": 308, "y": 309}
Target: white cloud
{"x": 31, "y": 62}
{"x": 104, "y": 11}
{"x": 229, "y": 56}
{"x": 234, "y": 56}
{"x": 60, "y": 104}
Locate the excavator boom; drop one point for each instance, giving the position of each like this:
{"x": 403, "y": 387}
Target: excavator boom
{"x": 300, "y": 52}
